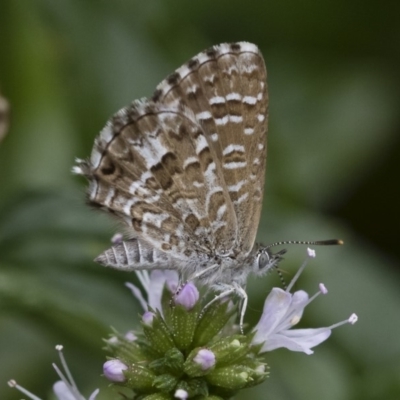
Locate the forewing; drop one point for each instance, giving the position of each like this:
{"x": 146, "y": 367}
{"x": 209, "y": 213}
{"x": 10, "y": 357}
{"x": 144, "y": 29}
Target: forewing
{"x": 225, "y": 86}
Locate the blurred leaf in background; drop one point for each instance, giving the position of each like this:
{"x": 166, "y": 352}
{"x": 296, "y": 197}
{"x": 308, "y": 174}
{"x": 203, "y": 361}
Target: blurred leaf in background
{"x": 334, "y": 86}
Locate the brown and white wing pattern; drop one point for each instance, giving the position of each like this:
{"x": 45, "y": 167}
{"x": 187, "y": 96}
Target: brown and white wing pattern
{"x": 225, "y": 87}
{"x": 152, "y": 167}
{"x": 185, "y": 169}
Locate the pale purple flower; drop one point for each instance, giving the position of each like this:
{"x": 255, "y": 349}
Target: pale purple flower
{"x": 205, "y": 358}
{"x": 117, "y": 238}
{"x": 153, "y": 284}
{"x": 181, "y": 394}
{"x": 310, "y": 253}
{"x": 65, "y": 389}
{"x": 114, "y": 370}
{"x": 64, "y": 392}
{"x": 130, "y": 336}
{"x": 147, "y": 318}
{"x": 282, "y": 310}
{"x": 188, "y": 296}
{"x": 113, "y": 340}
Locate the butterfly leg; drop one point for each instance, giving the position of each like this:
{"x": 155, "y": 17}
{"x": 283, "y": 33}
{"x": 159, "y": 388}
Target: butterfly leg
{"x": 225, "y": 290}
{"x": 224, "y": 293}
{"x": 203, "y": 272}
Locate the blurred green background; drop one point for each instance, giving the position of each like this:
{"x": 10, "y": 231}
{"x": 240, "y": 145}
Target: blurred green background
{"x": 334, "y": 146}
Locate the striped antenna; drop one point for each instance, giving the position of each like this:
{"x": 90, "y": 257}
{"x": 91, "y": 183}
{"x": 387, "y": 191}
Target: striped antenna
{"x": 330, "y": 242}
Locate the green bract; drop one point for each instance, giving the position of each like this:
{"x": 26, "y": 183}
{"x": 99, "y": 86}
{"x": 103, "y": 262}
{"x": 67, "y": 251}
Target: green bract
{"x": 166, "y": 356}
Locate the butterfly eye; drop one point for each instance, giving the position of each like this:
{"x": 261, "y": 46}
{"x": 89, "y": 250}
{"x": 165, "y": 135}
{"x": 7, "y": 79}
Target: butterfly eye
{"x": 263, "y": 260}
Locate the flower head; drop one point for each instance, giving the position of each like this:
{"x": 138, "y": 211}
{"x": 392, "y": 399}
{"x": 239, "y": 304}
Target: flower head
{"x": 190, "y": 349}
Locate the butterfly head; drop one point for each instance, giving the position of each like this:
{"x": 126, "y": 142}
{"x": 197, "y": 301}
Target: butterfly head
{"x": 264, "y": 260}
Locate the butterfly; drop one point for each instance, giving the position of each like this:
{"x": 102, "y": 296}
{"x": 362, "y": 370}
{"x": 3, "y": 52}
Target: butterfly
{"x": 184, "y": 171}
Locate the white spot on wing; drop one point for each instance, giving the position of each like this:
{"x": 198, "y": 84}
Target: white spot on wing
{"x": 110, "y": 195}
{"x": 217, "y": 100}
{"x": 201, "y": 144}
{"x": 107, "y": 134}
{"x": 189, "y": 160}
{"x": 241, "y": 199}
{"x": 233, "y": 96}
{"x": 183, "y": 71}
{"x": 221, "y": 211}
{"x": 193, "y": 89}
{"x": 250, "y": 68}
{"x": 236, "y": 119}
{"x": 128, "y": 205}
{"x": 222, "y": 121}
{"x": 251, "y": 100}
{"x": 153, "y": 153}
{"x": 154, "y": 219}
{"x": 237, "y": 186}
{"x": 203, "y": 115}
{"x": 250, "y": 47}
{"x": 93, "y": 189}
{"x": 95, "y": 158}
{"x": 235, "y": 165}
{"x": 233, "y": 147}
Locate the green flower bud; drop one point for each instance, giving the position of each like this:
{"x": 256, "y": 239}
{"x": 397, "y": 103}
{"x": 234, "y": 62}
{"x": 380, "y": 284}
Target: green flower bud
{"x": 199, "y": 362}
{"x": 232, "y": 377}
{"x": 230, "y": 349}
{"x": 260, "y": 371}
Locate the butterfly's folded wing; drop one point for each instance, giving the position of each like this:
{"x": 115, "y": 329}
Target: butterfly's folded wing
{"x": 185, "y": 170}
{"x": 225, "y": 86}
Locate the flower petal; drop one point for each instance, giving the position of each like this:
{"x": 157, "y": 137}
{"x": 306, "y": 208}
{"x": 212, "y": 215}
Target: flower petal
{"x": 94, "y": 394}
{"x": 158, "y": 279}
{"x": 275, "y": 308}
{"x": 62, "y": 391}
{"x": 294, "y": 312}
{"x": 297, "y": 339}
